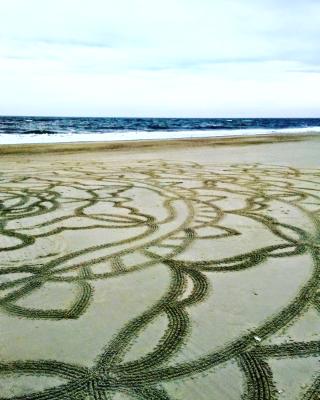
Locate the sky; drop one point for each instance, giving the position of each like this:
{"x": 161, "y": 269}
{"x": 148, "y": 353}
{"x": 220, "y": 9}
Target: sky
{"x": 160, "y": 58}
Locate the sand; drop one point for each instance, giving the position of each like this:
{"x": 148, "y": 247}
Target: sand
{"x": 184, "y": 269}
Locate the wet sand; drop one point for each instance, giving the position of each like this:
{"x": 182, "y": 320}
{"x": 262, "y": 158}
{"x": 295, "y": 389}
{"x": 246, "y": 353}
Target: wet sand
{"x": 185, "y": 269}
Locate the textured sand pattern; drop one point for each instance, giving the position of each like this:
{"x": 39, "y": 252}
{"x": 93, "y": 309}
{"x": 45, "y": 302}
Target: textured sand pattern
{"x": 159, "y": 280}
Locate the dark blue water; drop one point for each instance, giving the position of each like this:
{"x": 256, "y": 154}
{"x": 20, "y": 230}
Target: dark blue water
{"x": 61, "y": 125}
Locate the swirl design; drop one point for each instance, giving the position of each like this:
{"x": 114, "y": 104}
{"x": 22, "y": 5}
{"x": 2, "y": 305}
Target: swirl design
{"x": 173, "y": 236}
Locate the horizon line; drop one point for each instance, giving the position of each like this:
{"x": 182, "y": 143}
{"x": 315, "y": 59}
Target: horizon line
{"x": 153, "y": 117}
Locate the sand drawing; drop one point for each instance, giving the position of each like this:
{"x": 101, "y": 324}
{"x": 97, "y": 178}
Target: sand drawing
{"x": 216, "y": 268}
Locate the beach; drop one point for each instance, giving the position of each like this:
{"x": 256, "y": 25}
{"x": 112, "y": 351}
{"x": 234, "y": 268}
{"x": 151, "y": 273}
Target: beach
{"x": 161, "y": 269}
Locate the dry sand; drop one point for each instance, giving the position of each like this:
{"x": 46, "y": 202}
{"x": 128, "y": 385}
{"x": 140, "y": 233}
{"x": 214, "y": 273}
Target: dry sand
{"x": 161, "y": 270}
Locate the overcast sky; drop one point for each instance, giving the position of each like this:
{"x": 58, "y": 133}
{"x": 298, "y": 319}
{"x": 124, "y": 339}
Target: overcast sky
{"x": 196, "y": 58}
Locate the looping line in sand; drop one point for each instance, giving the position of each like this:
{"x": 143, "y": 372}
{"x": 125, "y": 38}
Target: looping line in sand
{"x": 132, "y": 218}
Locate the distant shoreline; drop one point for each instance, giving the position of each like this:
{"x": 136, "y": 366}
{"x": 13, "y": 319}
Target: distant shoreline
{"x": 63, "y": 147}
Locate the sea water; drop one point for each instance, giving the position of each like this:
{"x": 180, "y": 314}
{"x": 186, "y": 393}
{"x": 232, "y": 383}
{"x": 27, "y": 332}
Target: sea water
{"x": 28, "y": 129}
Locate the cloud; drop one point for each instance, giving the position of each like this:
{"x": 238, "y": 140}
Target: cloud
{"x": 236, "y": 42}
{"x": 72, "y": 42}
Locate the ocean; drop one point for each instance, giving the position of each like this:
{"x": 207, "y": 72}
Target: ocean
{"x": 16, "y": 130}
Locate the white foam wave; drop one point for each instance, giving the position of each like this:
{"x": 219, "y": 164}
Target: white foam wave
{"x": 142, "y": 135}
